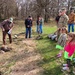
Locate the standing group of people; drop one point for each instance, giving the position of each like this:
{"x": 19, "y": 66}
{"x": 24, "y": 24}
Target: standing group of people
{"x": 7, "y": 26}
{"x": 66, "y": 39}
{"x": 29, "y": 24}
{"x": 63, "y": 20}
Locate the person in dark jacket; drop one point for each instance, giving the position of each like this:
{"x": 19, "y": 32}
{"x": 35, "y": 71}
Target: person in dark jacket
{"x": 57, "y": 18}
{"x": 6, "y": 27}
{"x": 28, "y": 25}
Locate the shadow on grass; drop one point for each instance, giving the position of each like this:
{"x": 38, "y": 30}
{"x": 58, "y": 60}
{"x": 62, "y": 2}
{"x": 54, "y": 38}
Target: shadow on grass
{"x": 53, "y": 71}
{"x": 48, "y": 53}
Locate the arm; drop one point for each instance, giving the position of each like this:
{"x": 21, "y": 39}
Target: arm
{"x": 12, "y": 25}
{"x": 65, "y": 21}
{"x": 64, "y": 38}
{"x": 60, "y": 22}
{"x": 1, "y": 25}
{"x": 60, "y": 39}
{"x": 25, "y": 22}
{"x": 74, "y": 18}
{"x": 32, "y": 23}
{"x": 72, "y": 49}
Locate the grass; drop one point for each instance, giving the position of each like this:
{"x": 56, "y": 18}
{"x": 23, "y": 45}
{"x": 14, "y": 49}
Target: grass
{"x": 50, "y": 63}
{"x": 46, "y": 48}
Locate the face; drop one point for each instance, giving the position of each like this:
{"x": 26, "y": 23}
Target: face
{"x": 39, "y": 18}
{"x": 64, "y": 31}
{"x": 60, "y": 13}
{"x": 30, "y": 18}
{"x": 63, "y": 12}
{"x": 69, "y": 38}
{"x": 61, "y": 31}
{"x": 72, "y": 11}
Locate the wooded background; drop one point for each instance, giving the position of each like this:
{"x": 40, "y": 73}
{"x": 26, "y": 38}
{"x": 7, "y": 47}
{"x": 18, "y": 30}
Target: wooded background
{"x": 20, "y": 9}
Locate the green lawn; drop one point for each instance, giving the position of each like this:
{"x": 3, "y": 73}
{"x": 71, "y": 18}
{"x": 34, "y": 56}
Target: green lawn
{"x": 50, "y": 63}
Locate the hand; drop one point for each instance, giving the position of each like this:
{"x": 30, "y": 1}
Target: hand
{"x": 28, "y": 25}
{"x": 9, "y": 32}
{"x": 3, "y": 29}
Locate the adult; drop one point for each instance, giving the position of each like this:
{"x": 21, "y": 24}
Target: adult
{"x": 6, "y": 27}
{"x": 39, "y": 23}
{"x": 63, "y": 19}
{"x": 71, "y": 21}
{"x": 28, "y": 25}
{"x": 57, "y": 18}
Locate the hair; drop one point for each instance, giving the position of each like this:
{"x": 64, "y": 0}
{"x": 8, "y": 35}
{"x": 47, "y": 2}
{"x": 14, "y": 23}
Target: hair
{"x": 38, "y": 17}
{"x": 72, "y": 35}
{"x": 72, "y": 10}
{"x": 29, "y": 16}
{"x": 64, "y": 29}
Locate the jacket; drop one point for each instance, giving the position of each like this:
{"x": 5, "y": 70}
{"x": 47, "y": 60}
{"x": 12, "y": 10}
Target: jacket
{"x": 63, "y": 21}
{"x": 6, "y": 24}
{"x": 70, "y": 48}
{"x": 28, "y": 23}
{"x": 71, "y": 18}
{"x": 62, "y": 40}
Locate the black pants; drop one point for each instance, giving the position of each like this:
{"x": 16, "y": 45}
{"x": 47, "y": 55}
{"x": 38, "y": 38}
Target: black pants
{"x": 69, "y": 62}
{"x": 28, "y": 32}
{"x": 4, "y": 37}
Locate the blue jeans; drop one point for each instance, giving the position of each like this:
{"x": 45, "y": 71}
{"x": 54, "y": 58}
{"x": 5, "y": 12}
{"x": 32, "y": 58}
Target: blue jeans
{"x": 69, "y": 27}
{"x": 28, "y": 32}
{"x": 39, "y": 28}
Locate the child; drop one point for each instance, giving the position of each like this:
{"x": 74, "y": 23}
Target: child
{"x": 69, "y": 50}
{"x": 61, "y": 41}
{"x": 54, "y": 35}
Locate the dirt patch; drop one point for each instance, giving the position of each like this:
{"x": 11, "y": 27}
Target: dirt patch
{"x": 22, "y": 59}
{"x": 27, "y": 66}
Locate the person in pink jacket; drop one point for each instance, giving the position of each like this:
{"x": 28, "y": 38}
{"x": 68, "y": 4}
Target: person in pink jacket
{"x": 69, "y": 50}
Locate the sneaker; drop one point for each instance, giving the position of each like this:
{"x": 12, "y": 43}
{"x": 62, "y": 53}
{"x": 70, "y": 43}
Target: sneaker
{"x": 65, "y": 65}
{"x": 73, "y": 72}
{"x": 65, "y": 68}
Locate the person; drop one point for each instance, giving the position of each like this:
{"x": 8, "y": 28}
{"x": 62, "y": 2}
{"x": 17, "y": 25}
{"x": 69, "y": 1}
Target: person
{"x": 6, "y": 27}
{"x": 63, "y": 19}
{"x": 61, "y": 41}
{"x": 53, "y": 36}
{"x": 69, "y": 51}
{"x": 57, "y": 18}
{"x": 71, "y": 20}
{"x": 39, "y": 23}
{"x": 28, "y": 25}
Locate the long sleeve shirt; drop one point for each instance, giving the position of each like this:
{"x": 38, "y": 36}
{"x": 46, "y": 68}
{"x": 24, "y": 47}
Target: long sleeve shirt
{"x": 63, "y": 21}
{"x": 70, "y": 48}
{"x": 62, "y": 39}
{"x": 6, "y": 24}
{"x": 28, "y": 23}
{"x": 71, "y": 18}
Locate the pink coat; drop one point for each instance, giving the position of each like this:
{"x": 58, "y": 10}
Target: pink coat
{"x": 70, "y": 48}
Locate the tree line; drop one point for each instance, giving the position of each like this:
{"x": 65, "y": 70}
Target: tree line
{"x": 20, "y": 9}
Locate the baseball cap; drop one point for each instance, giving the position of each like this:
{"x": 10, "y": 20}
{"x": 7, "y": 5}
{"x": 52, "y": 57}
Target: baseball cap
{"x": 11, "y": 19}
